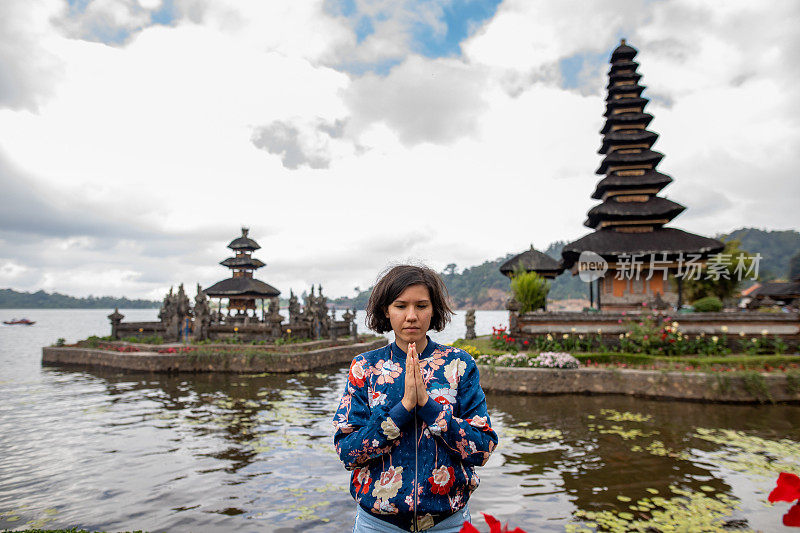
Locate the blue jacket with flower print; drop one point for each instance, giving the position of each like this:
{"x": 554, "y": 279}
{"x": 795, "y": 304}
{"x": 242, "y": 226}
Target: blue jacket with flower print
{"x": 422, "y": 460}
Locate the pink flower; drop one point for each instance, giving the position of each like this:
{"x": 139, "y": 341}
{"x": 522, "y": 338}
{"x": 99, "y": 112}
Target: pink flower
{"x": 389, "y": 483}
{"x": 386, "y": 371}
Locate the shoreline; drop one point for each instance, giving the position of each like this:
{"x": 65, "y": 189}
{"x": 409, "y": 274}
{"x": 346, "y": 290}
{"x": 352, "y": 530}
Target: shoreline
{"x": 253, "y": 360}
{"x": 708, "y": 387}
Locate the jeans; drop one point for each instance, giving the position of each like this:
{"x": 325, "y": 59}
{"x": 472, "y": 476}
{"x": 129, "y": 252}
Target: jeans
{"x": 366, "y": 523}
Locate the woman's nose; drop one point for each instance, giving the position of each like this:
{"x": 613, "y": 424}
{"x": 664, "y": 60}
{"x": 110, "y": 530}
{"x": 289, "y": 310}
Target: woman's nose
{"x": 412, "y": 314}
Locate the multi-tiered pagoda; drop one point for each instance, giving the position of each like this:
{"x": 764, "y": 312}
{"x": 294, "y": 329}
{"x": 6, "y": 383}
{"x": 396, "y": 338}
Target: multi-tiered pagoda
{"x": 242, "y": 289}
{"x": 629, "y": 222}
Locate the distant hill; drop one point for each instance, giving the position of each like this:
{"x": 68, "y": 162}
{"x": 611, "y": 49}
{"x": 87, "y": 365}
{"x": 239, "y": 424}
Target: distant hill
{"x": 776, "y": 248}
{"x": 11, "y": 299}
{"x": 484, "y": 287}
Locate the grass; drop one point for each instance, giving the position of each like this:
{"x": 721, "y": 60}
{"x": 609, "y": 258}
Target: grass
{"x": 742, "y": 362}
{"x": 483, "y": 344}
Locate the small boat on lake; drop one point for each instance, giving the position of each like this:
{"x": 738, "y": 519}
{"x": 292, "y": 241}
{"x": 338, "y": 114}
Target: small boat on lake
{"x": 19, "y": 322}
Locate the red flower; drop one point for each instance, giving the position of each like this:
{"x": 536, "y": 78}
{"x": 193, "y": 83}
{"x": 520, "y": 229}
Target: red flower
{"x": 792, "y": 518}
{"x": 361, "y": 480}
{"x": 787, "y": 490}
{"x": 356, "y": 374}
{"x": 494, "y": 526}
{"x": 442, "y": 479}
{"x": 524, "y": 342}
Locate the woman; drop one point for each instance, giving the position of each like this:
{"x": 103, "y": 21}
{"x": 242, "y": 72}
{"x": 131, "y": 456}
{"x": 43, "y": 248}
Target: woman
{"x": 412, "y": 422}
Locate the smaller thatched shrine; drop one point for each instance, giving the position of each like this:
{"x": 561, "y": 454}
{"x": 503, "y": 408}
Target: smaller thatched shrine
{"x": 532, "y": 261}
{"x": 242, "y": 289}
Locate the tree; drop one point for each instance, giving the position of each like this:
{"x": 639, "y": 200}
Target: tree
{"x": 721, "y": 275}
{"x": 794, "y": 267}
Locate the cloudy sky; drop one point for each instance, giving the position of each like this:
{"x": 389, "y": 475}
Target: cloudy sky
{"x": 138, "y": 136}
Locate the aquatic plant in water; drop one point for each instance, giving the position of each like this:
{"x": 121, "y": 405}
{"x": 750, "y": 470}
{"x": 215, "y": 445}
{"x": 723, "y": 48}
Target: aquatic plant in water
{"x": 751, "y": 454}
{"x": 532, "y": 434}
{"x": 686, "y": 511}
{"x": 612, "y": 415}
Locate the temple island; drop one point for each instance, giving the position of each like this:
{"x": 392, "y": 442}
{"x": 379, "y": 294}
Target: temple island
{"x": 250, "y": 335}
{"x": 631, "y": 224}
{"x": 252, "y": 309}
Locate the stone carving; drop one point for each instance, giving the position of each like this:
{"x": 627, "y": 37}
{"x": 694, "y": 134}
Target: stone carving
{"x": 166, "y": 307}
{"x": 275, "y": 318}
{"x": 294, "y": 308}
{"x": 349, "y": 320}
{"x": 354, "y": 327}
{"x": 658, "y": 303}
{"x": 513, "y": 313}
{"x": 332, "y": 325}
{"x": 184, "y": 305}
{"x": 115, "y": 318}
{"x": 174, "y": 309}
{"x": 202, "y": 315}
{"x": 470, "y": 323}
{"x": 315, "y": 314}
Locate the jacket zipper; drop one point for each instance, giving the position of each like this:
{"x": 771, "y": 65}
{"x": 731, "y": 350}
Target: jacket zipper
{"x": 416, "y": 467}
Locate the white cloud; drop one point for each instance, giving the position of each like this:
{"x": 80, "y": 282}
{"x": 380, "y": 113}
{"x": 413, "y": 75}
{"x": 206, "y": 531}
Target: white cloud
{"x": 27, "y": 68}
{"x": 132, "y": 166}
{"x": 421, "y": 100}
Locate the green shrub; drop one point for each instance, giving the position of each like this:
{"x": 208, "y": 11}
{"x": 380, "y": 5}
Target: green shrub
{"x": 93, "y": 341}
{"x": 147, "y": 339}
{"x": 709, "y": 304}
{"x": 529, "y": 289}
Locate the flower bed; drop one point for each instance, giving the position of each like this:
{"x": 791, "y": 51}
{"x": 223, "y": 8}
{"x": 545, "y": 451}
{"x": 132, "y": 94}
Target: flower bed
{"x": 617, "y": 360}
{"x": 652, "y": 333}
{"x": 542, "y": 360}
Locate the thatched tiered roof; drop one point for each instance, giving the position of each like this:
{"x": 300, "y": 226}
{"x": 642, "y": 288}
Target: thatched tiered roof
{"x": 631, "y": 216}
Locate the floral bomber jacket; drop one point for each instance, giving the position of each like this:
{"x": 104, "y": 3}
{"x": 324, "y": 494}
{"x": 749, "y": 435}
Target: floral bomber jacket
{"x": 406, "y": 465}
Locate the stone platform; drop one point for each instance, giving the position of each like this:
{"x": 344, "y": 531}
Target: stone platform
{"x": 727, "y": 387}
{"x": 250, "y": 359}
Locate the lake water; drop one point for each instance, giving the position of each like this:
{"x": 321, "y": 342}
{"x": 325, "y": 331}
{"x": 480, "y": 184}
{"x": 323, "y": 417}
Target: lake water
{"x": 205, "y": 453}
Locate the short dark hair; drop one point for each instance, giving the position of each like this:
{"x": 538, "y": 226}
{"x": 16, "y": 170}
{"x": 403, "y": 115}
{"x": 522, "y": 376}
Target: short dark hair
{"x": 392, "y": 284}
